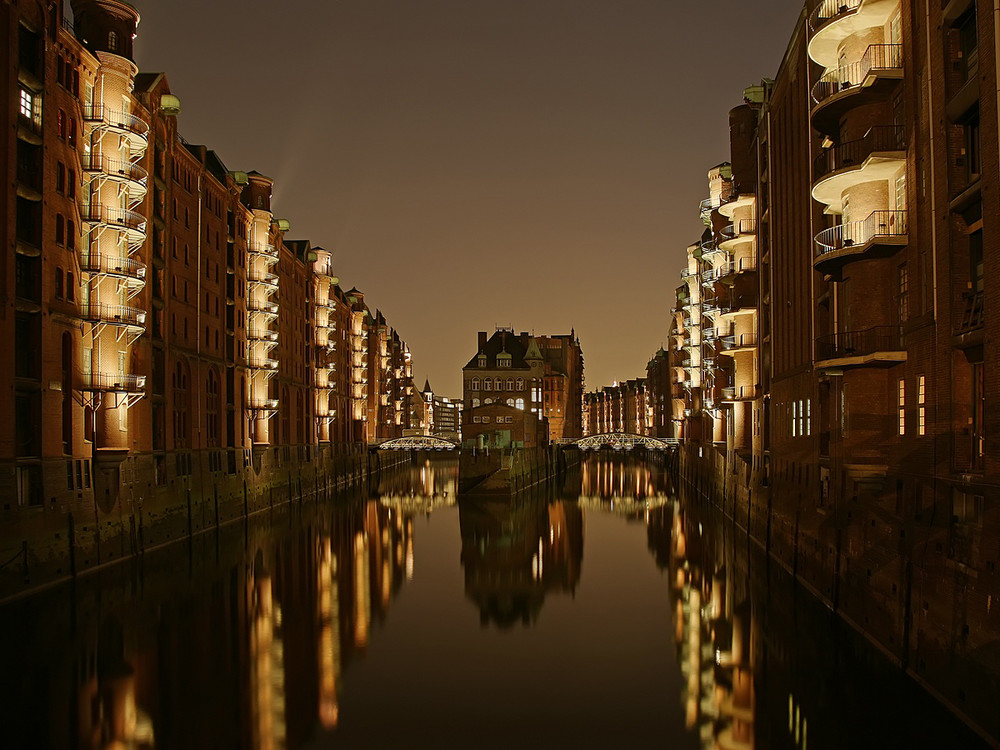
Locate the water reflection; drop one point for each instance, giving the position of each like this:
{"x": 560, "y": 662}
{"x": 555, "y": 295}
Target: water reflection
{"x": 290, "y": 631}
{"x": 517, "y": 551}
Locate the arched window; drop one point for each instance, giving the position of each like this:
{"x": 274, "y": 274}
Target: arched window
{"x": 487, "y": 402}
{"x": 519, "y": 404}
{"x": 520, "y": 384}
{"x": 487, "y": 384}
{"x": 510, "y": 402}
{"x": 499, "y": 384}
{"x": 112, "y": 41}
{"x": 475, "y": 384}
{"x": 475, "y": 403}
{"x": 510, "y": 384}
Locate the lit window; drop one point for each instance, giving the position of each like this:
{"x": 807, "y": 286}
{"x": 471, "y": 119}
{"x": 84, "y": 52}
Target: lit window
{"x": 112, "y": 41}
{"x": 794, "y": 415}
{"x": 27, "y": 104}
{"x": 902, "y": 406}
{"x": 475, "y": 403}
{"x": 519, "y": 404}
{"x": 921, "y": 405}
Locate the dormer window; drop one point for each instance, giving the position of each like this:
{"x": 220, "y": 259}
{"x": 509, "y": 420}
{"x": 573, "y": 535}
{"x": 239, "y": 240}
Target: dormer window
{"x": 112, "y": 41}
{"x": 482, "y": 360}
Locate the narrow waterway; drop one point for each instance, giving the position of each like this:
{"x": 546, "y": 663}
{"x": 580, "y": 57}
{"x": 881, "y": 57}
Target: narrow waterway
{"x": 602, "y": 613}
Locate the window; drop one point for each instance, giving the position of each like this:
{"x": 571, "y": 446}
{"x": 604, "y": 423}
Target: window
{"x": 794, "y": 416}
{"x": 921, "y": 405}
{"x": 477, "y": 420}
{"x": 510, "y": 402}
{"x": 519, "y": 404}
{"x": 27, "y": 104}
{"x": 487, "y": 384}
{"x": 510, "y": 384}
{"x": 59, "y": 283}
{"x": 901, "y": 405}
{"x": 70, "y": 234}
{"x": 112, "y": 41}
{"x": 475, "y": 384}
{"x": 499, "y": 384}
{"x": 520, "y": 384}
{"x": 971, "y": 145}
{"x": 978, "y": 415}
{"x": 486, "y": 419}
{"x": 71, "y": 183}
{"x": 902, "y": 293}
{"x": 475, "y": 403}
{"x": 60, "y": 178}
{"x": 482, "y": 360}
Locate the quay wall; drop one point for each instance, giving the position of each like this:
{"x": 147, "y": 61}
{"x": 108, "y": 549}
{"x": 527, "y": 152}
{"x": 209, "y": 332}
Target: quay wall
{"x": 912, "y": 578}
{"x": 142, "y": 504}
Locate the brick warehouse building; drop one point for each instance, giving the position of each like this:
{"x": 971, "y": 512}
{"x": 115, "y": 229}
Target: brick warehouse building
{"x": 168, "y": 339}
{"x": 833, "y": 396}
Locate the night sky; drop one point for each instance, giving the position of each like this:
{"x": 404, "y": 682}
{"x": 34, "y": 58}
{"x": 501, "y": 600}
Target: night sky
{"x": 474, "y": 163}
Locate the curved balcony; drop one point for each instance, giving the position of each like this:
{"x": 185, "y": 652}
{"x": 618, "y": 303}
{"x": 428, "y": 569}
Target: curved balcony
{"x": 743, "y": 342}
{"x": 851, "y": 85}
{"x": 264, "y": 279}
{"x": 268, "y": 310}
{"x": 119, "y": 316}
{"x": 263, "y": 406}
{"x": 127, "y": 173}
{"x": 107, "y": 382}
{"x": 730, "y": 207}
{"x": 263, "y": 250}
{"x": 879, "y": 345}
{"x": 739, "y": 393}
{"x": 132, "y": 271}
{"x": 132, "y": 223}
{"x": 132, "y": 128}
{"x": 832, "y": 21}
{"x": 256, "y": 336}
{"x": 258, "y": 362}
{"x": 881, "y": 234}
{"x": 737, "y": 233}
{"x": 878, "y": 155}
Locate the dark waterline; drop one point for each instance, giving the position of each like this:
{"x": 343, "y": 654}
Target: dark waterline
{"x": 404, "y": 619}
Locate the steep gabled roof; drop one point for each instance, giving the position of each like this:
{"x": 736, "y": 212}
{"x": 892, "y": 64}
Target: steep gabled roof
{"x": 499, "y": 343}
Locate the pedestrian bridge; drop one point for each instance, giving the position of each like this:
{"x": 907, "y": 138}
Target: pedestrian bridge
{"x": 417, "y": 443}
{"x": 623, "y": 441}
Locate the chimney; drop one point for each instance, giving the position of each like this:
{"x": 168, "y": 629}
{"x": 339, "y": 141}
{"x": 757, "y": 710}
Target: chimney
{"x": 482, "y": 340}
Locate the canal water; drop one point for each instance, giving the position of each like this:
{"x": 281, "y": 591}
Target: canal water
{"x": 603, "y": 613}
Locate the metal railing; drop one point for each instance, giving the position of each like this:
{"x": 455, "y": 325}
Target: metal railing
{"x": 880, "y": 223}
{"x": 263, "y": 248}
{"x": 854, "y": 153}
{"x": 262, "y": 277}
{"x": 68, "y": 26}
{"x": 269, "y": 336}
{"x": 96, "y": 213}
{"x": 859, "y": 343}
{"x": 115, "y": 266}
{"x": 741, "y": 393}
{"x": 266, "y": 404}
{"x": 114, "y": 314}
{"x": 263, "y": 363}
{"x": 95, "y": 162}
{"x": 830, "y": 9}
{"x": 877, "y": 57}
{"x": 115, "y": 118}
{"x": 112, "y": 382}
{"x": 742, "y": 341}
